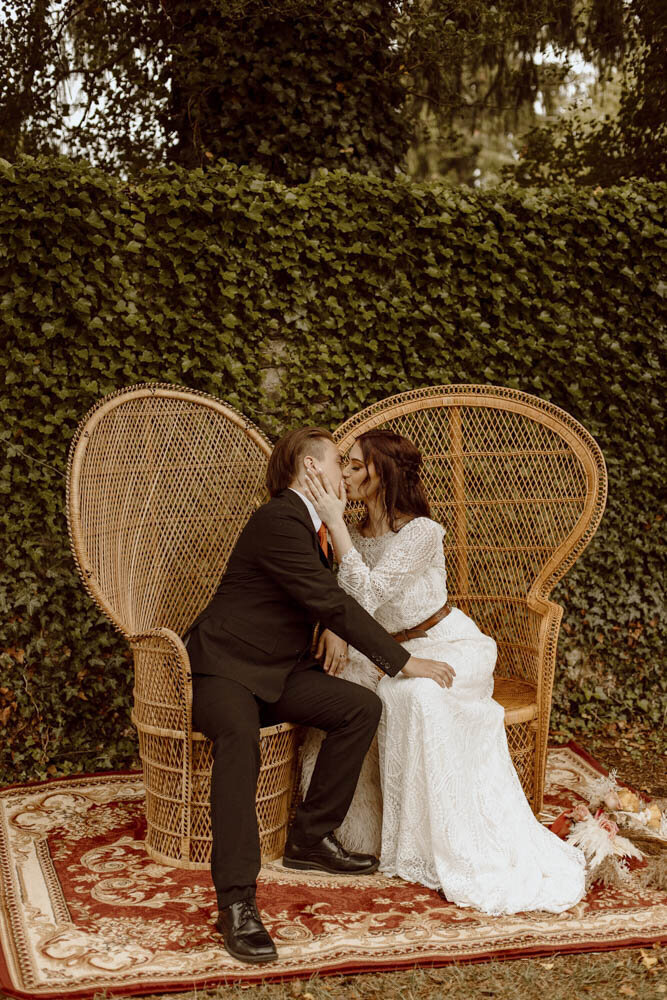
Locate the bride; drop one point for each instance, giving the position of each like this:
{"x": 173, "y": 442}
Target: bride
{"x": 438, "y": 796}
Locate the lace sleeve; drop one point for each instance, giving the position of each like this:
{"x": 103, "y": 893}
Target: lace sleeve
{"x": 411, "y": 553}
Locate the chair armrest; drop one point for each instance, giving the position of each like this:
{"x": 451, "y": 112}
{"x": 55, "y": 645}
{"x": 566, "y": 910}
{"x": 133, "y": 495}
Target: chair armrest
{"x": 549, "y": 614}
{"x": 163, "y": 682}
{"x": 162, "y": 714}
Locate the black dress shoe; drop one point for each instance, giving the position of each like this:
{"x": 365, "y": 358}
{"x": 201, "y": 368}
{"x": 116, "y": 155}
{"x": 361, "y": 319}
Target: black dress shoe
{"x": 327, "y": 855}
{"x": 244, "y": 935}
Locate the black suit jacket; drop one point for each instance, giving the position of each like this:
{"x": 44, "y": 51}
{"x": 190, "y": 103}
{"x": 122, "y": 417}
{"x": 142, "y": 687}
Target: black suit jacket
{"x": 277, "y": 584}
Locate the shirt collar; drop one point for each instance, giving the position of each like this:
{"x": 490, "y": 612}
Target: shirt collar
{"x": 314, "y": 516}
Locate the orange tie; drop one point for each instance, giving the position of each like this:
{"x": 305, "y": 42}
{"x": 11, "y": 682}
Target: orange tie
{"x": 322, "y": 535}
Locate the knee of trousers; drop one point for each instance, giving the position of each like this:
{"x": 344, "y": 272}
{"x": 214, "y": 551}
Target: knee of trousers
{"x": 236, "y": 741}
{"x": 371, "y": 707}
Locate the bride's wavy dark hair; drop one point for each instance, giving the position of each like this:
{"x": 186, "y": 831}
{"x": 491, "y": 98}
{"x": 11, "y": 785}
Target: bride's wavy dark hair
{"x": 397, "y": 462}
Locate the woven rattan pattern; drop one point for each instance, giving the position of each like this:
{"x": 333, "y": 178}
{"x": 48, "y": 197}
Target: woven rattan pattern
{"x": 160, "y": 483}
{"x": 520, "y": 488}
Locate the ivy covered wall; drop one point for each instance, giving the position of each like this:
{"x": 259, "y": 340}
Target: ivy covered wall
{"x": 305, "y": 304}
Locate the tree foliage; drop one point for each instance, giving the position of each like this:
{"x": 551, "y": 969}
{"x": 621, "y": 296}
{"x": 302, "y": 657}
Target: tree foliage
{"x": 630, "y": 143}
{"x": 290, "y": 86}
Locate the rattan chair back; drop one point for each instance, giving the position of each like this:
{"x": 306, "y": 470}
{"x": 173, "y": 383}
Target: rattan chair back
{"x": 519, "y": 487}
{"x": 161, "y": 481}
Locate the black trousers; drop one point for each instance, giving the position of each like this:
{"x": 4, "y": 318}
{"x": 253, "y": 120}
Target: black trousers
{"x": 231, "y": 716}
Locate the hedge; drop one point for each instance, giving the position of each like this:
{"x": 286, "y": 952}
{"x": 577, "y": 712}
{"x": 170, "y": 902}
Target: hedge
{"x": 304, "y": 304}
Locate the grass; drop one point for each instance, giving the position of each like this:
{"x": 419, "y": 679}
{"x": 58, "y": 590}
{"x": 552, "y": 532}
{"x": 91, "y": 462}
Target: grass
{"x": 624, "y": 973}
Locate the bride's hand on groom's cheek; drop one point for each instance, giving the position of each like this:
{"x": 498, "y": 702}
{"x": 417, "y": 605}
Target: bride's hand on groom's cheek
{"x": 331, "y": 652}
{"x": 328, "y": 504}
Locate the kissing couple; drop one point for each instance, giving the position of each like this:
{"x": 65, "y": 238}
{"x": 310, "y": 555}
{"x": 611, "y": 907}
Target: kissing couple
{"x": 407, "y": 758}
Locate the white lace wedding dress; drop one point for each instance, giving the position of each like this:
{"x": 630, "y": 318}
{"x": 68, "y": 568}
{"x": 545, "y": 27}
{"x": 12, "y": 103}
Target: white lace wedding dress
{"x": 441, "y": 802}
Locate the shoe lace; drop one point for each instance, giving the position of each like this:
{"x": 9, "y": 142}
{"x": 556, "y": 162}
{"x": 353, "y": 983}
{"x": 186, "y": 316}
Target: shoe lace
{"x": 248, "y": 910}
{"x": 334, "y": 839}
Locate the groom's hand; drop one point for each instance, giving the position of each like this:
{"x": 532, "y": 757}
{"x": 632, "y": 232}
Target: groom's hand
{"x": 331, "y": 652}
{"x": 437, "y": 670}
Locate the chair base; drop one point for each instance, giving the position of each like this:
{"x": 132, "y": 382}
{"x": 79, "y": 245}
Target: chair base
{"x": 171, "y": 841}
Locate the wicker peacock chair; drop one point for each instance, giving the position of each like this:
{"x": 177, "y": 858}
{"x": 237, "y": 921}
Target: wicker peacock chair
{"x": 160, "y": 482}
{"x": 520, "y": 488}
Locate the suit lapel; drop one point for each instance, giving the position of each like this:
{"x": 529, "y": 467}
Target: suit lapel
{"x": 299, "y": 506}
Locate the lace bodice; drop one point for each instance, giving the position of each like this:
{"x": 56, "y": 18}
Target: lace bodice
{"x": 399, "y": 577}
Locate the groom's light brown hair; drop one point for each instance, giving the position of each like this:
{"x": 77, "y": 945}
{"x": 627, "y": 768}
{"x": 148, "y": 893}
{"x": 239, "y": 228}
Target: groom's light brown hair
{"x": 285, "y": 457}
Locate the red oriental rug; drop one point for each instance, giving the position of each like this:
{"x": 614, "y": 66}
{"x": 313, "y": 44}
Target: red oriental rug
{"x": 84, "y": 910}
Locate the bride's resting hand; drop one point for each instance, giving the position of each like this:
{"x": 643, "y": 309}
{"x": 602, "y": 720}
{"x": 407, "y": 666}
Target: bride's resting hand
{"x": 328, "y": 504}
{"x": 331, "y": 652}
{"x": 437, "y": 670}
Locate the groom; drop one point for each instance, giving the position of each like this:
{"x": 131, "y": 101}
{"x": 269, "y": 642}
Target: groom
{"x": 250, "y": 652}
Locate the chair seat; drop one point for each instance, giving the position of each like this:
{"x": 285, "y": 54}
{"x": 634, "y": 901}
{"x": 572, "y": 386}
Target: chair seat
{"x": 518, "y": 698}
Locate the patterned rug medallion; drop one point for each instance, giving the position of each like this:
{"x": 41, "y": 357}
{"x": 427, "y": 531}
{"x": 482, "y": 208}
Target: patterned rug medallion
{"x": 84, "y": 910}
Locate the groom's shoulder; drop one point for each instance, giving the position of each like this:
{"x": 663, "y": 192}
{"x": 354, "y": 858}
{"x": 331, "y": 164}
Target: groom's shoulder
{"x": 281, "y": 517}
{"x": 285, "y": 504}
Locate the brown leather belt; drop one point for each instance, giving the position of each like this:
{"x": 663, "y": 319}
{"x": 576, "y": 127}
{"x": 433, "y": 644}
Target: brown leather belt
{"x": 421, "y": 631}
